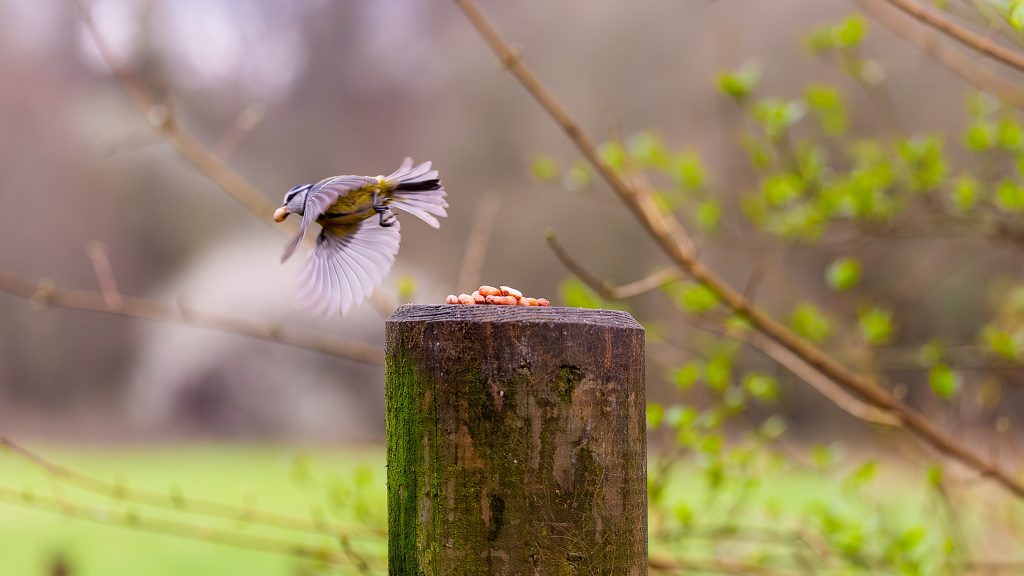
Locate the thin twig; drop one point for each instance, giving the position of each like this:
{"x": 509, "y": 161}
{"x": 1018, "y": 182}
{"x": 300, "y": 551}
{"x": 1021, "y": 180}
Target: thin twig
{"x": 819, "y": 382}
{"x": 247, "y": 121}
{"x": 45, "y": 294}
{"x": 479, "y": 239}
{"x": 176, "y": 502}
{"x": 784, "y": 357}
{"x": 100, "y": 259}
{"x": 162, "y": 119}
{"x": 955, "y": 60}
{"x": 604, "y": 289}
{"x": 137, "y": 521}
{"x": 667, "y": 232}
{"x": 965, "y": 36}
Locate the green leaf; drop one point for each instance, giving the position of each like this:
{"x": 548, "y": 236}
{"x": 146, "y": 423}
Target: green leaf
{"x": 684, "y": 514}
{"x": 685, "y": 376}
{"x": 718, "y": 372}
{"x": 876, "y": 325}
{"x": 577, "y": 176}
{"x": 1011, "y": 135}
{"x": 829, "y": 108}
{"x": 777, "y": 116}
{"x": 545, "y": 168}
{"x": 761, "y": 386}
{"x": 924, "y": 161}
{"x": 782, "y": 189}
{"x": 851, "y": 31}
{"x": 655, "y": 415}
{"x": 980, "y": 136}
{"x": 944, "y": 381}
{"x": 576, "y": 294}
{"x": 698, "y": 298}
{"x": 739, "y": 84}
{"x": 845, "y": 34}
{"x": 1016, "y": 17}
{"x": 843, "y": 274}
{"x": 773, "y": 427}
{"x": 648, "y": 150}
{"x": 1010, "y": 196}
{"x": 406, "y": 288}
{"x": 935, "y": 475}
{"x": 931, "y": 353}
{"x": 862, "y": 475}
{"x": 965, "y": 194}
{"x": 1002, "y": 342}
{"x": 687, "y": 170}
{"x": 823, "y": 456}
{"x": 811, "y": 323}
{"x": 614, "y": 154}
{"x": 692, "y": 297}
{"x": 709, "y": 214}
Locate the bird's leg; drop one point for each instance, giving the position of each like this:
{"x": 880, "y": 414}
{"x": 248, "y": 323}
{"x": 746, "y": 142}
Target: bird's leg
{"x": 387, "y": 217}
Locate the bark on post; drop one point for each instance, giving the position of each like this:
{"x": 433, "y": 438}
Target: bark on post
{"x": 516, "y": 441}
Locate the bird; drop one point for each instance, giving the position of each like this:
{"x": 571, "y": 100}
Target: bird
{"x": 354, "y": 250}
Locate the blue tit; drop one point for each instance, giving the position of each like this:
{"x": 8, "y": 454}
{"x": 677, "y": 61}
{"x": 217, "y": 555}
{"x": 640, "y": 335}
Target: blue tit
{"x": 355, "y": 251}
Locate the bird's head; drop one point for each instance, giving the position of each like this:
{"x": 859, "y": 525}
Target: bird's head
{"x": 294, "y": 202}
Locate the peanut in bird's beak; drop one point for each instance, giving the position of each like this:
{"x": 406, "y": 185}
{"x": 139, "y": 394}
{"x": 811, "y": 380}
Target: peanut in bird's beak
{"x": 281, "y": 213}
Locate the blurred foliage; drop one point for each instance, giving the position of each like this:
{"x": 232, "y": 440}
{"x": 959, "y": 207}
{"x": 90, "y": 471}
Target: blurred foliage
{"x": 730, "y": 491}
{"x": 827, "y": 182}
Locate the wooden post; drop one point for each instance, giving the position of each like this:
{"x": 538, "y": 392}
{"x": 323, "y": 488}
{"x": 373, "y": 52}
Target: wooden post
{"x": 516, "y": 441}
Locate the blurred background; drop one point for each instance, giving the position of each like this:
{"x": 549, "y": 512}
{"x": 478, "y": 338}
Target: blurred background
{"x": 290, "y": 92}
{"x": 346, "y": 88}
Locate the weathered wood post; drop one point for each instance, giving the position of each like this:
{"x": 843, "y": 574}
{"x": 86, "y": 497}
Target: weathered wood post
{"x": 516, "y": 441}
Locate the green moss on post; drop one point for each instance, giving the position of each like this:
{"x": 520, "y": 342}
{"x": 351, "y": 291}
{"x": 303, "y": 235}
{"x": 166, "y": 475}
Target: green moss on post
{"x": 516, "y": 441}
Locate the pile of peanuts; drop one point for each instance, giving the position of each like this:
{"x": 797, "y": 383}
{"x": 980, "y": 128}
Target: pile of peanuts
{"x": 501, "y": 296}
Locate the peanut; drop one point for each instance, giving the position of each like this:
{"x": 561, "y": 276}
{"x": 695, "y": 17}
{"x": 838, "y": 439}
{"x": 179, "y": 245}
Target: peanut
{"x": 509, "y": 291}
{"x": 466, "y": 299}
{"x": 501, "y": 300}
{"x": 452, "y": 299}
{"x": 543, "y": 302}
{"x": 489, "y": 291}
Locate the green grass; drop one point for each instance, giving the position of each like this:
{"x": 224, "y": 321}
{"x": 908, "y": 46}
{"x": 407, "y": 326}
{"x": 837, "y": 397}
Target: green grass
{"x": 337, "y": 485}
{"x": 347, "y": 487}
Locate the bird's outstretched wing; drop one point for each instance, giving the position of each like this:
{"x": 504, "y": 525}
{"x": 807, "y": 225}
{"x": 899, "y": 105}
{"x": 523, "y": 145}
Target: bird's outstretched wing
{"x": 347, "y": 265}
{"x": 319, "y": 199}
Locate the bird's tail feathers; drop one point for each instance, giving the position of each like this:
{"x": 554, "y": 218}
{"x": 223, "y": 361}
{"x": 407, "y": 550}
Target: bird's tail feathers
{"x": 419, "y": 192}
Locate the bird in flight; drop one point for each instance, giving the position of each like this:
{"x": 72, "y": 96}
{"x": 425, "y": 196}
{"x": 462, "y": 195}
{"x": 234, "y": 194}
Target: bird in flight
{"x": 355, "y": 250}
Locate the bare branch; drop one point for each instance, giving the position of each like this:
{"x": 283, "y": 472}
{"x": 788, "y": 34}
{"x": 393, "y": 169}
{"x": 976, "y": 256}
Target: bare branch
{"x": 173, "y": 502}
{"x": 484, "y": 218}
{"x": 105, "y": 275}
{"x": 768, "y": 347}
{"x": 932, "y": 45}
{"x": 247, "y": 121}
{"x": 134, "y": 520}
{"x": 668, "y": 234}
{"x": 160, "y": 116}
{"x": 604, "y": 289}
{"x": 965, "y": 36}
{"x": 819, "y": 382}
{"x": 45, "y": 294}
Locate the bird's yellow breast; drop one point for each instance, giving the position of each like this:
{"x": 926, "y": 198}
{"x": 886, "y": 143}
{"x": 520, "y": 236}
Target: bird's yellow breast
{"x": 351, "y": 208}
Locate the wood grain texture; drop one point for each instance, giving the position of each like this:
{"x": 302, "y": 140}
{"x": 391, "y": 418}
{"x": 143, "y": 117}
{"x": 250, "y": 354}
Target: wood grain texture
{"x": 516, "y": 441}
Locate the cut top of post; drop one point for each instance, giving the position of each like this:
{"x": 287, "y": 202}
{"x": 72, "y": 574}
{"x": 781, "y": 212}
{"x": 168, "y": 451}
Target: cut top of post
{"x": 484, "y": 313}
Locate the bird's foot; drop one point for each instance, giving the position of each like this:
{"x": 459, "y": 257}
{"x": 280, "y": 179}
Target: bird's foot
{"x": 387, "y": 218}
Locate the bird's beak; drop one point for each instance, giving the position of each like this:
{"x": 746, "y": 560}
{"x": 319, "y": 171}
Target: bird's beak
{"x": 281, "y": 213}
